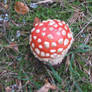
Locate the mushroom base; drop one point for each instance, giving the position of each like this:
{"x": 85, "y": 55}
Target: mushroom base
{"x": 57, "y": 60}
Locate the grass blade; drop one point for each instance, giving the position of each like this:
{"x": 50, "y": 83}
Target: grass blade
{"x": 55, "y": 74}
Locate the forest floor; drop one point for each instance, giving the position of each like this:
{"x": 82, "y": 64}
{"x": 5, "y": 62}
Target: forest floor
{"x": 20, "y": 71}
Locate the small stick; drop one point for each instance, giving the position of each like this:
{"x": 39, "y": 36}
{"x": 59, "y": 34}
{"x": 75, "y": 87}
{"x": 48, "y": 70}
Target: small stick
{"x": 84, "y": 27}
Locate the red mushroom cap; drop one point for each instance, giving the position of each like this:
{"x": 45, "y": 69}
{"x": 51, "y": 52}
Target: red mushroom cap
{"x": 50, "y": 40}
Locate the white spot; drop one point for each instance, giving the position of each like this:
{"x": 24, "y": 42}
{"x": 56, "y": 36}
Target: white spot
{"x": 47, "y": 54}
{"x": 58, "y": 55}
{"x": 44, "y": 21}
{"x": 33, "y": 45}
{"x": 55, "y": 30}
{"x": 63, "y": 22}
{"x": 32, "y": 29}
{"x": 55, "y": 55}
{"x": 46, "y": 44}
{"x": 37, "y": 50}
{"x": 58, "y": 20}
{"x": 50, "y": 36}
{"x": 51, "y": 28}
{"x": 53, "y": 44}
{"x": 65, "y": 27}
{"x": 60, "y": 23}
{"x": 69, "y": 35}
{"x": 44, "y": 29}
{"x": 43, "y": 33}
{"x": 66, "y": 42}
{"x": 63, "y": 32}
{"x": 40, "y": 46}
{"x": 37, "y": 31}
{"x": 39, "y": 40}
{"x": 36, "y": 24}
{"x": 55, "y": 25}
{"x": 60, "y": 41}
{"x": 58, "y": 33}
{"x": 30, "y": 36}
{"x": 60, "y": 28}
{"x": 40, "y": 24}
{"x": 52, "y": 51}
{"x": 60, "y": 49}
{"x": 30, "y": 39}
{"x": 52, "y": 56}
{"x": 69, "y": 29}
{"x": 34, "y": 37}
{"x": 51, "y": 22}
{"x": 42, "y": 53}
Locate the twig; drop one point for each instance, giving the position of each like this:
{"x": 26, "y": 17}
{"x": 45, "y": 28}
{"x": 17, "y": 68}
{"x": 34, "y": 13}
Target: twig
{"x": 48, "y": 1}
{"x": 45, "y": 1}
{"x": 84, "y": 27}
{"x": 4, "y": 27}
{"x": 86, "y": 40}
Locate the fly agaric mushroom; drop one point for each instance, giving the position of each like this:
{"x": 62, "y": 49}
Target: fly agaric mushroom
{"x": 50, "y": 40}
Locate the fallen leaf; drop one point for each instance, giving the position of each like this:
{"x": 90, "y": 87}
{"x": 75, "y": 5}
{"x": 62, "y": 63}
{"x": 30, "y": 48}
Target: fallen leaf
{"x": 21, "y": 8}
{"x": 36, "y": 20}
{"x": 46, "y": 87}
{"x": 3, "y": 6}
{"x": 6, "y": 6}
